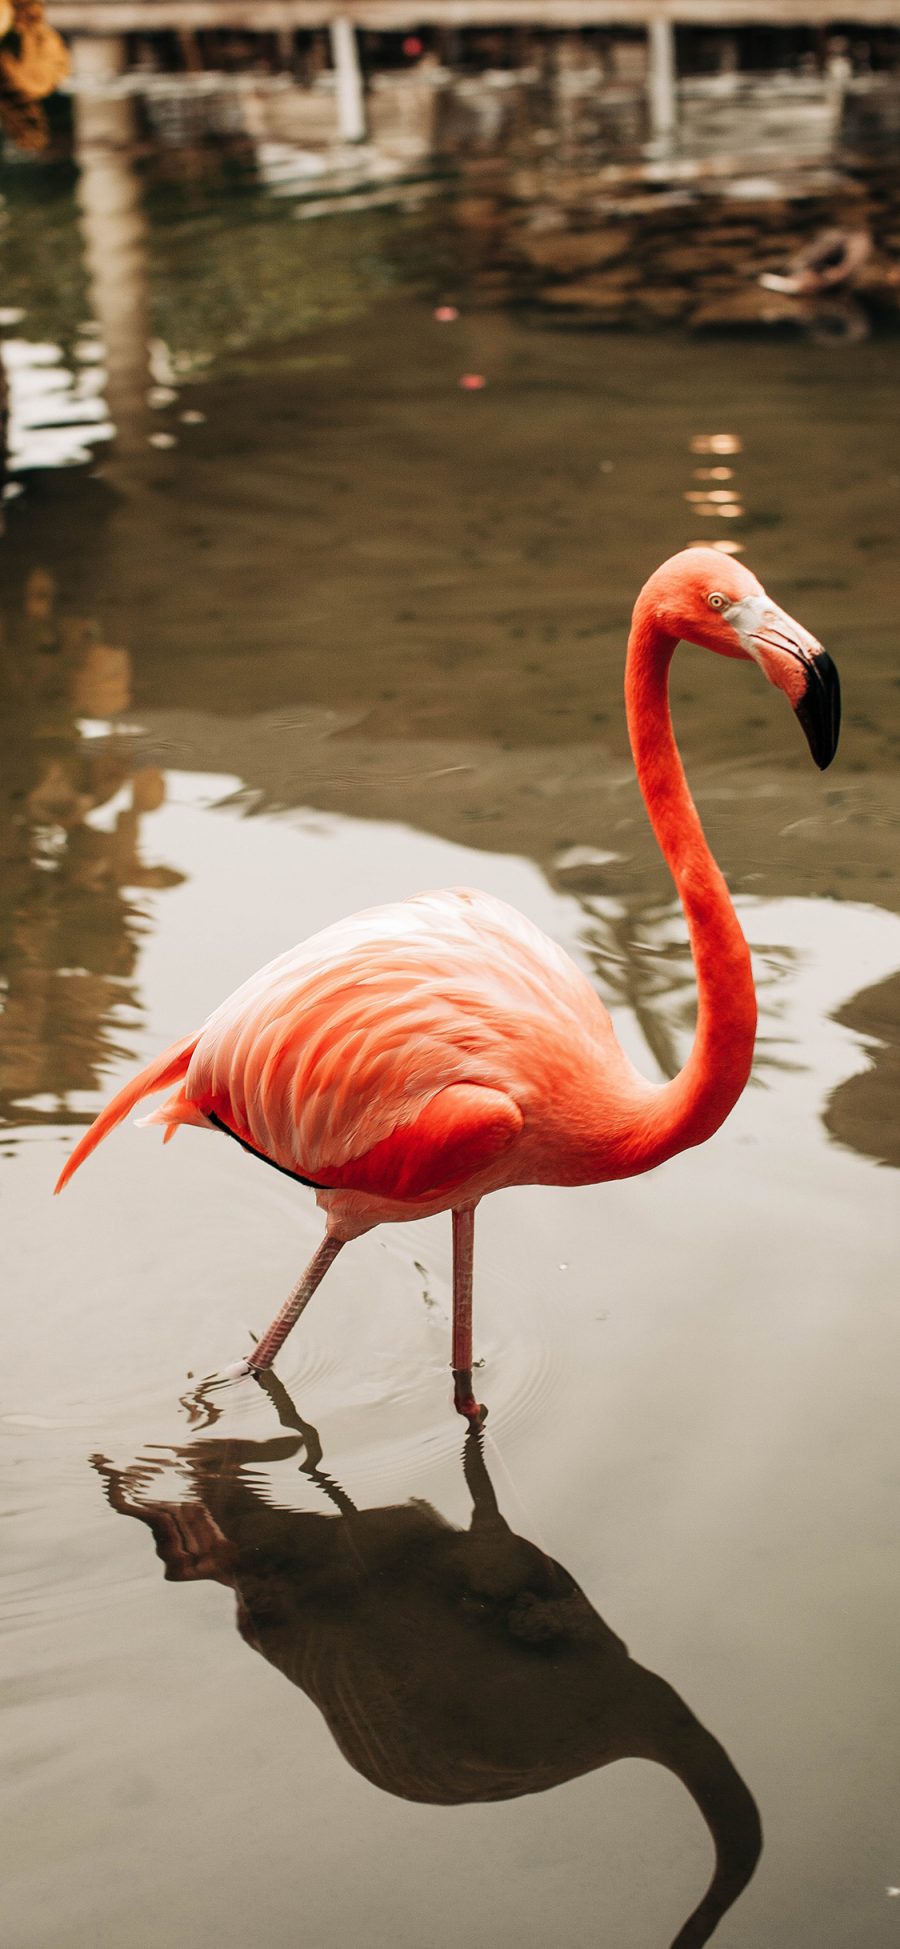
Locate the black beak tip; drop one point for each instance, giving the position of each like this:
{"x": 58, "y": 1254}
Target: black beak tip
{"x": 819, "y": 709}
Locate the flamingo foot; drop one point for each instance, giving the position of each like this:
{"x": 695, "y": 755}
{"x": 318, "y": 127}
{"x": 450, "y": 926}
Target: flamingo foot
{"x": 464, "y": 1399}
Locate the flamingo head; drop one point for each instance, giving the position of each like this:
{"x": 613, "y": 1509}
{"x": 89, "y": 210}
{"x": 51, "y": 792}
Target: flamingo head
{"x": 703, "y": 596}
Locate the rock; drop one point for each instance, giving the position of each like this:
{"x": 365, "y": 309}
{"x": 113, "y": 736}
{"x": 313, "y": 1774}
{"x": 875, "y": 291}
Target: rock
{"x": 687, "y": 260}
{"x": 881, "y": 277}
{"x": 727, "y": 235}
{"x": 476, "y": 212}
{"x": 593, "y": 293}
{"x": 661, "y": 301}
{"x": 748, "y": 306}
{"x": 563, "y": 253}
{"x": 527, "y": 185}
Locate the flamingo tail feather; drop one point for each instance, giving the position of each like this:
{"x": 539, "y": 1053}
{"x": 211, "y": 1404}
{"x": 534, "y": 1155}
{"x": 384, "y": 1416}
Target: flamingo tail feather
{"x": 167, "y": 1068}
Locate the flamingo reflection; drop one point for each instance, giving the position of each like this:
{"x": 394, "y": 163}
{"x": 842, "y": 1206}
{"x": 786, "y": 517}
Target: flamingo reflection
{"x": 451, "y": 1666}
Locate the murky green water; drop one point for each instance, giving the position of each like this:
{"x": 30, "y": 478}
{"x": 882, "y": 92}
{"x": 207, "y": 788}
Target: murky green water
{"x": 321, "y": 628}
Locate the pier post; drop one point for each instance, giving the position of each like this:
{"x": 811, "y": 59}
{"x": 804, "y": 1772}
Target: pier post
{"x": 348, "y": 76}
{"x": 103, "y": 112}
{"x": 97, "y": 58}
{"x": 661, "y": 81}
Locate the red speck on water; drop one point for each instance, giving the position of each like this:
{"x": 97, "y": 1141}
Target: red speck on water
{"x": 473, "y": 382}
{"x": 446, "y": 314}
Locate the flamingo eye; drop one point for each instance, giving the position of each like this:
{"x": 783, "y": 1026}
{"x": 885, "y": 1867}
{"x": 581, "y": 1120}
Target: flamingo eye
{"x": 717, "y": 601}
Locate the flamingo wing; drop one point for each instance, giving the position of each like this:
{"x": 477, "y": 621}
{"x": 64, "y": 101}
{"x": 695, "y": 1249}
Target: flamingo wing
{"x": 395, "y": 1052}
{"x": 458, "y": 1134}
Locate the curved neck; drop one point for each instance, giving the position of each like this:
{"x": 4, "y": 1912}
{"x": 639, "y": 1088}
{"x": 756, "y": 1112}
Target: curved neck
{"x": 665, "y": 1731}
{"x": 688, "y": 1110}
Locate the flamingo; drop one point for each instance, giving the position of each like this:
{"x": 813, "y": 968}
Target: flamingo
{"x": 416, "y": 1056}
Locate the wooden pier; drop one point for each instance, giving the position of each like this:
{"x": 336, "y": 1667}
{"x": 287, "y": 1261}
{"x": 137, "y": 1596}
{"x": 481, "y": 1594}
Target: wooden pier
{"x": 90, "y": 23}
{"x": 401, "y": 16}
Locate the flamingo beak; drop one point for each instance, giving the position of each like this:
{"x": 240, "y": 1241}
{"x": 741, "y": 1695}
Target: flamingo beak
{"x": 819, "y": 709}
{"x": 796, "y": 663}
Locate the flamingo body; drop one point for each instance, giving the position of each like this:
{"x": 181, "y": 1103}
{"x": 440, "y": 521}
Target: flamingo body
{"x": 416, "y": 1056}
{"x": 438, "y": 1043}
{"x": 411, "y": 1057}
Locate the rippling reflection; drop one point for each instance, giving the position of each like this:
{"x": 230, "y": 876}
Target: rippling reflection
{"x": 861, "y": 1112}
{"x": 451, "y": 1666}
{"x": 72, "y": 798}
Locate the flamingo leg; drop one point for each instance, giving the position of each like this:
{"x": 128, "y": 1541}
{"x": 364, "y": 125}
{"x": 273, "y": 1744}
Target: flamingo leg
{"x": 275, "y": 1335}
{"x": 463, "y": 1253}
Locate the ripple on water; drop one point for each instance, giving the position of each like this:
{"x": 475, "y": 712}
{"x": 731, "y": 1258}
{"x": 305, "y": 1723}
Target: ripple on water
{"x": 57, "y": 415}
{"x": 396, "y": 1417}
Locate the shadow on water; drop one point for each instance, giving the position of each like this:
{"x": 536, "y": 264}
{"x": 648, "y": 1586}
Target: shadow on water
{"x": 451, "y": 1666}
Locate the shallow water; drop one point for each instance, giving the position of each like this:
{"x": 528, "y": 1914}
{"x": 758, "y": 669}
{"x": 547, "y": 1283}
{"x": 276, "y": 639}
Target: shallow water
{"x": 320, "y": 628}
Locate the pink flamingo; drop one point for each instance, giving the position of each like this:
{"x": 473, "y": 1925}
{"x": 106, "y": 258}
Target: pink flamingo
{"x": 419, "y": 1055}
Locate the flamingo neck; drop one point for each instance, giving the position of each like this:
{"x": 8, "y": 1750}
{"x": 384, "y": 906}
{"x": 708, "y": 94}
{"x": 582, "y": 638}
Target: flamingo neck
{"x": 690, "y": 1108}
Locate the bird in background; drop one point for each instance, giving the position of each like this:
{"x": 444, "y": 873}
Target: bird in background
{"x": 414, "y": 1057}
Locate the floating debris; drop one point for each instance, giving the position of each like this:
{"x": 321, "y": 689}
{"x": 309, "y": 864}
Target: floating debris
{"x": 833, "y": 258}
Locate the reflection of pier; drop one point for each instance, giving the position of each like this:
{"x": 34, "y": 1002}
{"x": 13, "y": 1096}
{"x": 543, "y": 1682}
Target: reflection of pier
{"x": 452, "y": 1666}
{"x": 114, "y": 232}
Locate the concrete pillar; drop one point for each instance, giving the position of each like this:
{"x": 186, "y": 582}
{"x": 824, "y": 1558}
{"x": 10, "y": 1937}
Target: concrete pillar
{"x": 661, "y": 81}
{"x": 348, "y": 76}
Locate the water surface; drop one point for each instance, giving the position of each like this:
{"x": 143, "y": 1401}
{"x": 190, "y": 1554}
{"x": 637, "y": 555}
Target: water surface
{"x": 317, "y": 628}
